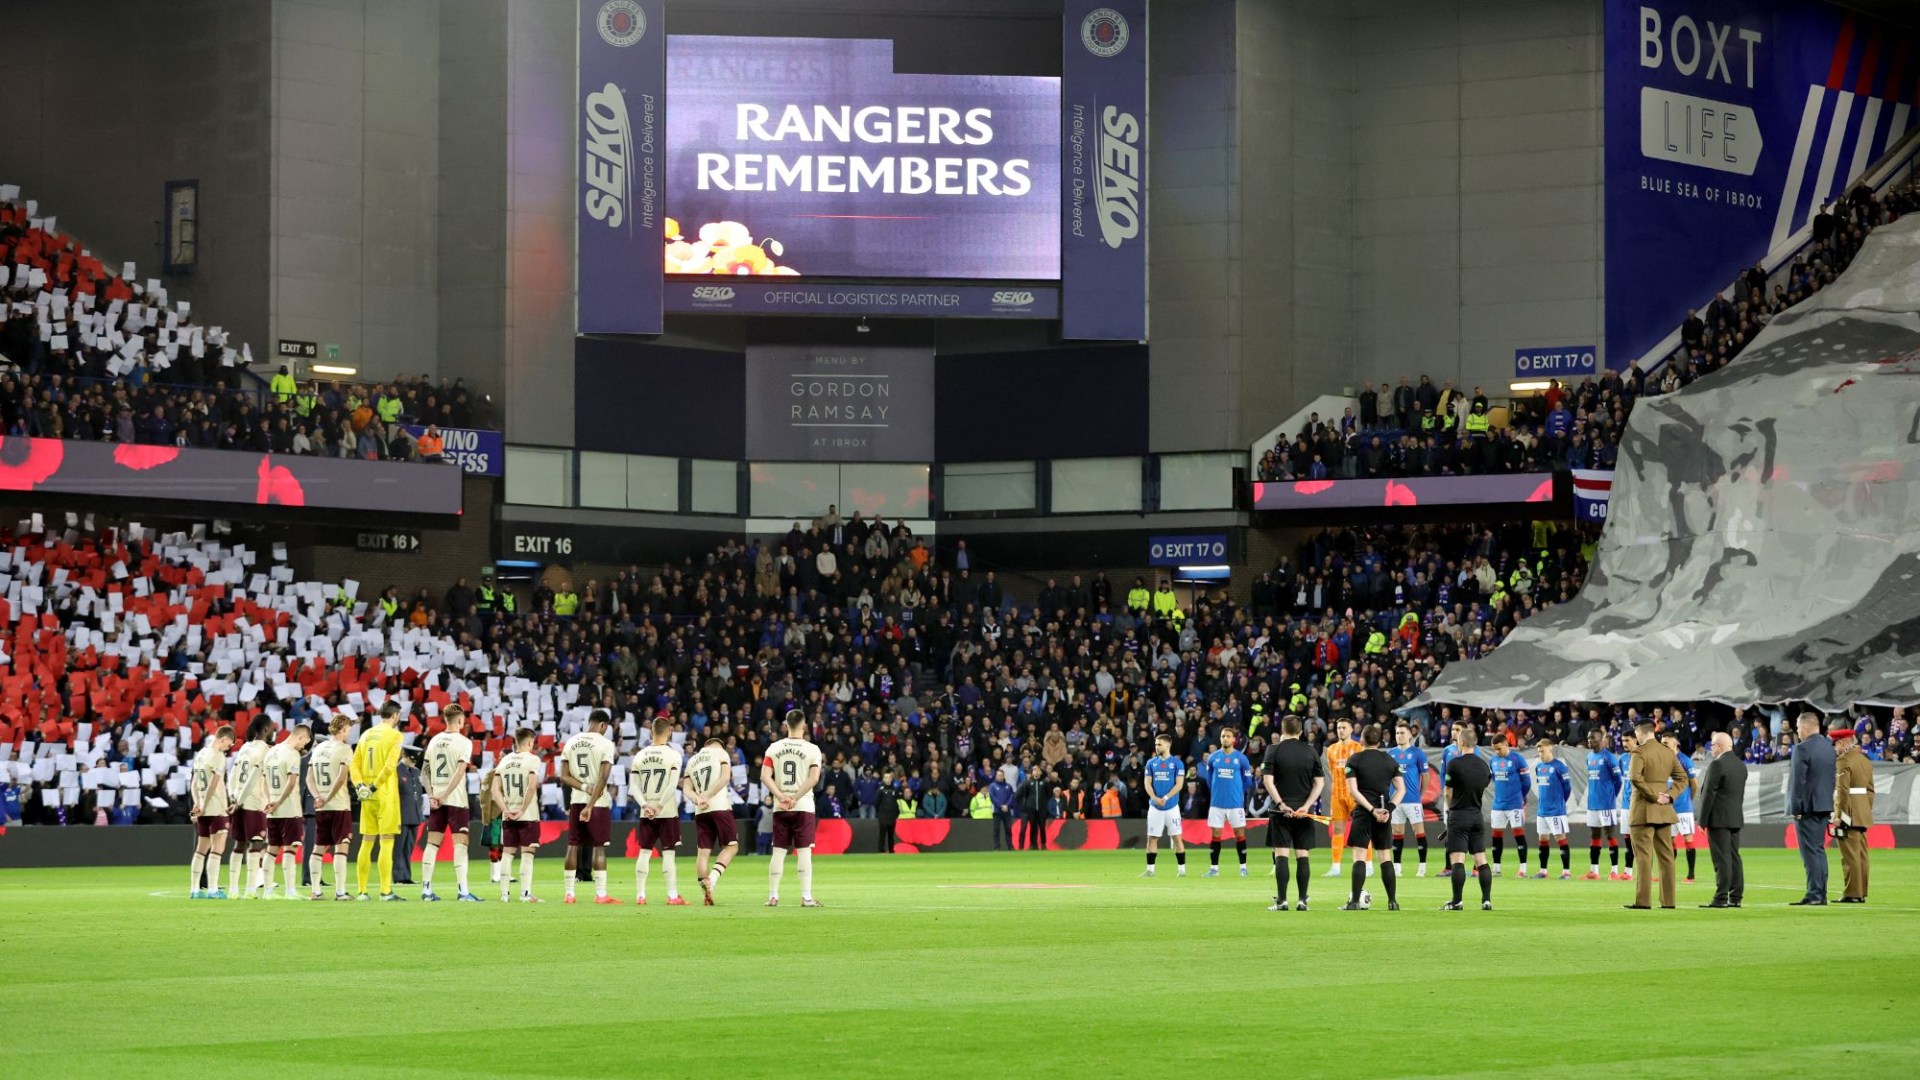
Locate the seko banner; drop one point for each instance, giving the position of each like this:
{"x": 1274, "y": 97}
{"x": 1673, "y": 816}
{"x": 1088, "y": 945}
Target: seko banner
{"x": 1729, "y": 124}
{"x": 1103, "y": 181}
{"x": 620, "y": 217}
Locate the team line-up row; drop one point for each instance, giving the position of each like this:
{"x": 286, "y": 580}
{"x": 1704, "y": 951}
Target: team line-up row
{"x": 246, "y": 804}
{"x": 247, "y": 807}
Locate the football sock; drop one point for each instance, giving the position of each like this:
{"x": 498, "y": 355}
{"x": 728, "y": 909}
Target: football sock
{"x": 1520, "y": 850}
{"x": 1459, "y": 876}
{"x": 199, "y": 867}
{"x": 642, "y": 868}
{"x": 1240, "y": 846}
{"x": 1566, "y": 857}
{"x": 506, "y": 887}
{"x": 234, "y": 863}
{"x": 1421, "y": 842}
{"x": 339, "y": 872}
{"x": 599, "y": 883}
{"x": 1613, "y": 851}
{"x": 1359, "y": 878}
{"x": 1629, "y": 857}
{"x": 1280, "y": 879}
{"x": 573, "y": 877}
{"x": 257, "y": 870}
{"x": 1302, "y": 871}
{"x": 776, "y": 866}
{"x": 1691, "y": 856}
{"x": 1180, "y": 857}
{"x": 1499, "y": 847}
{"x": 1593, "y": 853}
{"x": 427, "y": 859}
{"x": 1486, "y": 884}
{"x": 1213, "y": 853}
{"x": 804, "y": 857}
{"x": 1338, "y": 842}
{"x": 460, "y": 866}
{"x": 386, "y": 863}
{"x": 1151, "y": 855}
{"x": 672, "y": 872}
{"x": 316, "y": 869}
{"x": 290, "y": 866}
{"x": 1543, "y": 853}
{"x": 1399, "y": 848}
{"x": 1389, "y": 874}
{"x": 363, "y": 863}
{"x": 526, "y": 873}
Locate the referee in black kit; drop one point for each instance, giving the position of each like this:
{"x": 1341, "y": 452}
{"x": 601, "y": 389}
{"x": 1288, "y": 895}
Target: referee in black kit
{"x": 1294, "y": 779}
{"x": 1466, "y": 785}
{"x": 1373, "y": 780}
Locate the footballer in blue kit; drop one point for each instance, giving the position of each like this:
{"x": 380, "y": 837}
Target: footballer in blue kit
{"x": 1552, "y": 785}
{"x": 1603, "y": 791}
{"x": 1623, "y": 816}
{"x": 1164, "y": 775}
{"x": 1511, "y": 782}
{"x": 1414, "y": 767}
{"x": 1228, "y": 775}
{"x": 1683, "y": 829}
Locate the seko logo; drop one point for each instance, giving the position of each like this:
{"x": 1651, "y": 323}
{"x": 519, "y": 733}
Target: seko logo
{"x": 608, "y": 161}
{"x": 1013, "y": 298}
{"x": 712, "y": 294}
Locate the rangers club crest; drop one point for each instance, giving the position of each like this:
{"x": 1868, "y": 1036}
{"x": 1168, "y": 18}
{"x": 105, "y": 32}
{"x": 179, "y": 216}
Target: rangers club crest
{"x": 1103, "y": 32}
{"x": 621, "y": 23}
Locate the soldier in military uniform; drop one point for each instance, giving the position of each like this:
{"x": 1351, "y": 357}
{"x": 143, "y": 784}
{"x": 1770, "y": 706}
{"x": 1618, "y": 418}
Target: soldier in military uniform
{"x": 1852, "y": 812}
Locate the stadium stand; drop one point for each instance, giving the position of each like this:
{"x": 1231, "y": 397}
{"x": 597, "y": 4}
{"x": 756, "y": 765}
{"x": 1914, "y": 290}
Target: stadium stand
{"x": 1415, "y": 428}
{"x": 96, "y": 355}
{"x": 124, "y": 652}
{"x": 319, "y": 419}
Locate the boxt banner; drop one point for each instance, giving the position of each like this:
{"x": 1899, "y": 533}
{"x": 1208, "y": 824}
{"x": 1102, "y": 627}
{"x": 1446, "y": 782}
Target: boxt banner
{"x": 1729, "y": 124}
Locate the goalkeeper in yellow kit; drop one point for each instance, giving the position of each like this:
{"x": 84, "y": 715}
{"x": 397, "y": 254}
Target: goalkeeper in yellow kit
{"x": 376, "y": 761}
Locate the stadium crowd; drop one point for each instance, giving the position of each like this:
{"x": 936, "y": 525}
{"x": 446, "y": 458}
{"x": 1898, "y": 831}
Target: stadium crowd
{"x": 370, "y": 422}
{"x": 89, "y": 354}
{"x": 1410, "y": 429}
{"x": 933, "y": 691}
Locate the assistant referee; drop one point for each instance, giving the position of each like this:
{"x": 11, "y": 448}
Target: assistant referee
{"x": 1293, "y": 778}
{"x": 1466, "y": 781}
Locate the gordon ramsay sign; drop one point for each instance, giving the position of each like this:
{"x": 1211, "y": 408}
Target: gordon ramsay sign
{"x": 807, "y": 403}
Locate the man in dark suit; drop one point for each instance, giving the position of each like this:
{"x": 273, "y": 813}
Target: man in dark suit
{"x": 1723, "y": 793}
{"x": 1810, "y": 779}
{"x": 1657, "y": 779}
{"x": 411, "y": 794}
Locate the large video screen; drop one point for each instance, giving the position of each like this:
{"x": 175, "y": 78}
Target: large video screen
{"x": 813, "y": 157}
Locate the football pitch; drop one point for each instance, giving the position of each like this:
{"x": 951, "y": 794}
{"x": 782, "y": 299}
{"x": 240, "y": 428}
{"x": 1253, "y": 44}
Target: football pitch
{"x": 987, "y": 965}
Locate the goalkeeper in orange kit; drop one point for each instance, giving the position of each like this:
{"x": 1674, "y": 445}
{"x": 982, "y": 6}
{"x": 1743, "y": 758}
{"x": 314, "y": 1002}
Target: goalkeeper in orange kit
{"x": 1339, "y": 801}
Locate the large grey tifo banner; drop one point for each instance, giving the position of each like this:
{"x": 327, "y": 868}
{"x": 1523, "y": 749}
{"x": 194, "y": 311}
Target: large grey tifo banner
{"x": 807, "y": 403}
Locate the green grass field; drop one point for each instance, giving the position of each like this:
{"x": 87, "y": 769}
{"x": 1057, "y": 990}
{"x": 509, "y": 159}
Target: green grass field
{"x": 920, "y": 966}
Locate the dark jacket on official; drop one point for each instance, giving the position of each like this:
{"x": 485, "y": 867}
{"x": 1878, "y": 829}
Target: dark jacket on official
{"x": 1723, "y": 793}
